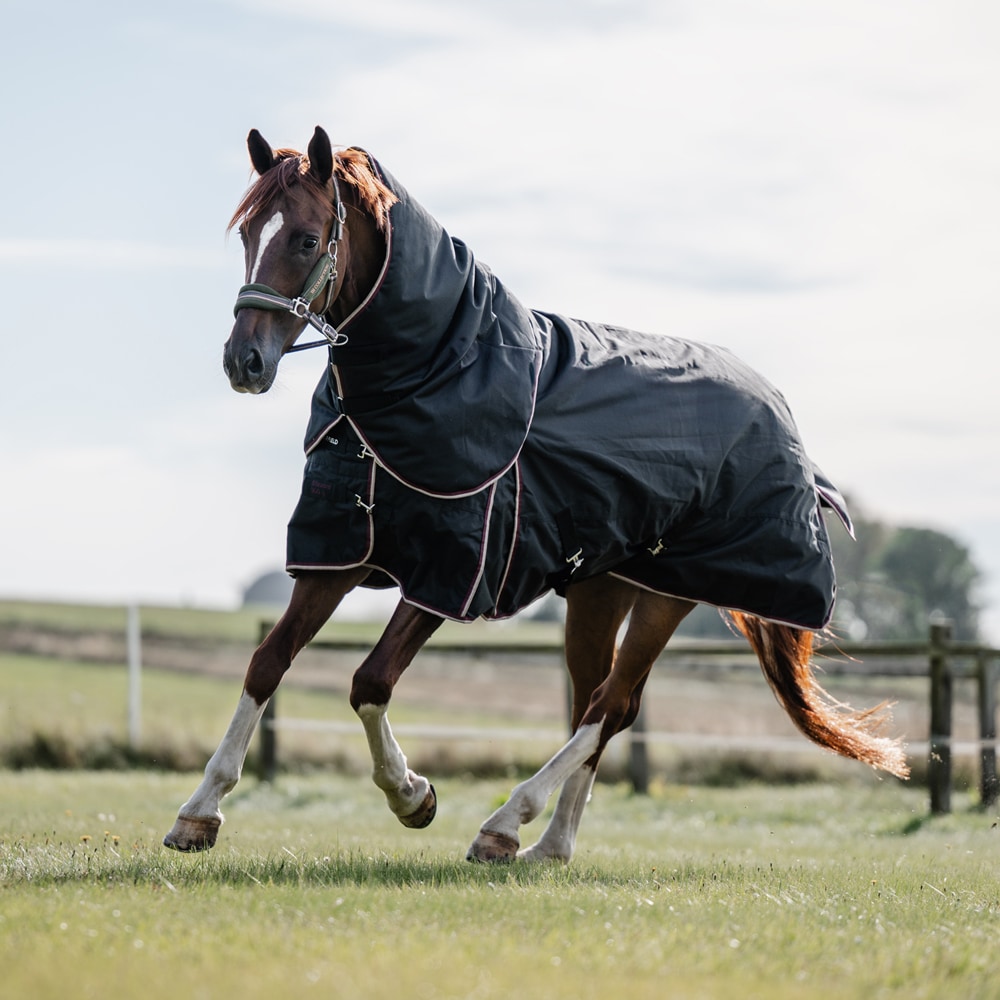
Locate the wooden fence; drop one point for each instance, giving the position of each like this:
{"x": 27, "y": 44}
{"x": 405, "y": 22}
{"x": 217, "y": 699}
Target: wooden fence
{"x": 940, "y": 659}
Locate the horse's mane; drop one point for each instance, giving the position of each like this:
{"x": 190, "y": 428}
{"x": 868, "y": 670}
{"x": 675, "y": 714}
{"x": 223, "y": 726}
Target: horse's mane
{"x": 352, "y": 167}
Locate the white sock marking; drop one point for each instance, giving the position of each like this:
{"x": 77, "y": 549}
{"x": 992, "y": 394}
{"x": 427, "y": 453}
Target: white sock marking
{"x": 528, "y": 799}
{"x": 267, "y": 234}
{"x": 404, "y": 789}
{"x": 223, "y": 771}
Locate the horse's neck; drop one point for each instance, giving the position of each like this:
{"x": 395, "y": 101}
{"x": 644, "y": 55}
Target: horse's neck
{"x": 363, "y": 252}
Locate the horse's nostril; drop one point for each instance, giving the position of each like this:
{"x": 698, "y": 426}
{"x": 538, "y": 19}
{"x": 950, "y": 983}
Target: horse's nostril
{"x": 254, "y": 363}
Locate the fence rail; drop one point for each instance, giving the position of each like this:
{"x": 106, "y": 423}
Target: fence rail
{"x": 940, "y": 659}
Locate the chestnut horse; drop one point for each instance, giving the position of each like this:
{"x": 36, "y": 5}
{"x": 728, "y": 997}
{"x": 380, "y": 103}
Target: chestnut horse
{"x": 317, "y": 230}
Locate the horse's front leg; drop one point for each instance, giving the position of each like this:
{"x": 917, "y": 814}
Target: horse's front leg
{"x": 410, "y": 796}
{"x": 315, "y": 596}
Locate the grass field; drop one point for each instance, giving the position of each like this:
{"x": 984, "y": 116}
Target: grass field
{"x": 845, "y": 890}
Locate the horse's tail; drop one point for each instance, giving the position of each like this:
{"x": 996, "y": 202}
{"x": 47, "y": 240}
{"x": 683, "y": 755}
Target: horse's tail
{"x": 784, "y": 654}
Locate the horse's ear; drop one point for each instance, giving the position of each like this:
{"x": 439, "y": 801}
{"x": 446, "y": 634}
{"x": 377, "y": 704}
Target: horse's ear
{"x": 320, "y": 156}
{"x": 261, "y": 154}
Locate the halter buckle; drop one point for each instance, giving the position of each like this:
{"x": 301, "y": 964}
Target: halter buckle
{"x": 332, "y": 334}
{"x": 339, "y": 218}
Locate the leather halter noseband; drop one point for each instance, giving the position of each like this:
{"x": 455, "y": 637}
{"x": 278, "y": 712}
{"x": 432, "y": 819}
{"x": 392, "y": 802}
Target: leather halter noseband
{"x": 323, "y": 275}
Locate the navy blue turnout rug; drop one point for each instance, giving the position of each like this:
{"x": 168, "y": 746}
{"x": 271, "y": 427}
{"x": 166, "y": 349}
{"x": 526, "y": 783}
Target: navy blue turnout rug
{"x": 478, "y": 454}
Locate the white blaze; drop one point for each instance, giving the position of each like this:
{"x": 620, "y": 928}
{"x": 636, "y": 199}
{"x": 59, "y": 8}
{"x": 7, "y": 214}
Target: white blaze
{"x": 267, "y": 234}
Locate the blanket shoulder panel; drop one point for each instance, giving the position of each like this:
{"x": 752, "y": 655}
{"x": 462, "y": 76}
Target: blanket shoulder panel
{"x": 441, "y": 552}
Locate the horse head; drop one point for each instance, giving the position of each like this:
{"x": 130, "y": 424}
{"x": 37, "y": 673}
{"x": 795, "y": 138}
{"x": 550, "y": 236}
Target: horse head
{"x": 291, "y": 223}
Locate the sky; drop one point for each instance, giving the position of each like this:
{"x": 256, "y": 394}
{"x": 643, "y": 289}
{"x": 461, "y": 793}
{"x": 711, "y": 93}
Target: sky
{"x": 815, "y": 186}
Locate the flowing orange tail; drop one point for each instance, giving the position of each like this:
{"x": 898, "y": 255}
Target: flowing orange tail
{"x": 784, "y": 654}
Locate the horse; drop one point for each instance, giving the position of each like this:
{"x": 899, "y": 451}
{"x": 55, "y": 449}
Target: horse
{"x": 451, "y": 452}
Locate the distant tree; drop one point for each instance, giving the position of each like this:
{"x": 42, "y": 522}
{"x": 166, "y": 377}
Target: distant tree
{"x": 893, "y": 580}
{"x": 935, "y": 576}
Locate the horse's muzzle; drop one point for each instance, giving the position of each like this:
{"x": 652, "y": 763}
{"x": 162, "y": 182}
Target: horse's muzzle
{"x": 248, "y": 368}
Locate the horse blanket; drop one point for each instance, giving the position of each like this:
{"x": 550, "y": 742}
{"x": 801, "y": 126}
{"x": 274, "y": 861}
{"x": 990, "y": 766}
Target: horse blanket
{"x": 478, "y": 454}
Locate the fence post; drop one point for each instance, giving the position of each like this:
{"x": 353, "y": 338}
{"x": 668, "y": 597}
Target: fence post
{"x": 267, "y": 759}
{"x": 939, "y": 760}
{"x": 986, "y": 678}
{"x": 267, "y": 755}
{"x": 638, "y": 754}
{"x": 133, "y": 642}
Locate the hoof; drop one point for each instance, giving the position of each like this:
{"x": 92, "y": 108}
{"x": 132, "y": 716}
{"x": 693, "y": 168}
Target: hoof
{"x": 192, "y": 834}
{"x": 493, "y": 847}
{"x": 424, "y": 814}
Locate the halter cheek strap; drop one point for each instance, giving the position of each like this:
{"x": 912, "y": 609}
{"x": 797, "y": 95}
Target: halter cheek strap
{"x": 323, "y": 275}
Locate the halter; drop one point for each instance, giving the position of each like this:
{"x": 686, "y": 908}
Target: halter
{"x": 323, "y": 275}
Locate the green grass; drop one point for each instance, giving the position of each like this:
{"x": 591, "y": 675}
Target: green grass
{"x": 59, "y": 713}
{"x": 846, "y": 890}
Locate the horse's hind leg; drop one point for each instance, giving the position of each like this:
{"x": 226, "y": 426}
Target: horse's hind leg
{"x": 595, "y": 610}
{"x": 314, "y": 598}
{"x": 613, "y": 707}
{"x": 410, "y": 796}
{"x": 558, "y": 840}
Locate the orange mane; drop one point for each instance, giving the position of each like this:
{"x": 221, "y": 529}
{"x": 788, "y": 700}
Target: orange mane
{"x": 352, "y": 167}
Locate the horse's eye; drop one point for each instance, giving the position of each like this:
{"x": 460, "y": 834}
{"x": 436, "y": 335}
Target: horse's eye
{"x": 310, "y": 243}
